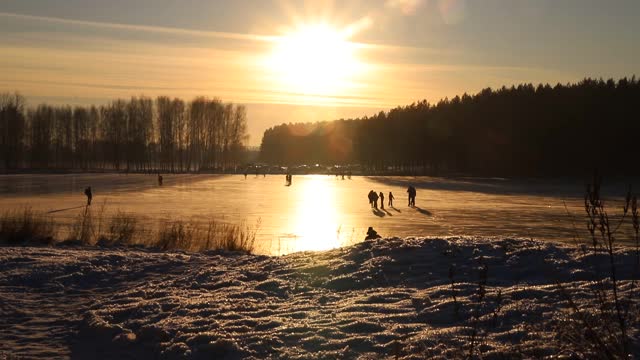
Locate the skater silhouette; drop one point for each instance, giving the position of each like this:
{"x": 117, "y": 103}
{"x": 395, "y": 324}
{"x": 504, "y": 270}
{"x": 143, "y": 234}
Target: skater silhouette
{"x": 381, "y": 200}
{"x": 390, "y": 199}
{"x": 412, "y": 195}
{"x": 87, "y": 192}
{"x": 375, "y": 200}
{"x": 159, "y": 180}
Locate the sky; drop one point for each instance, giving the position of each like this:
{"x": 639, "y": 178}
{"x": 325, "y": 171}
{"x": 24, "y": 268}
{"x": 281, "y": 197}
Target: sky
{"x": 299, "y": 61}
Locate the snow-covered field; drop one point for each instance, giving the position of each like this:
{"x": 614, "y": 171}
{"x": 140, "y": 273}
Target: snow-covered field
{"x": 389, "y": 298}
{"x": 320, "y": 212}
{"x": 385, "y": 298}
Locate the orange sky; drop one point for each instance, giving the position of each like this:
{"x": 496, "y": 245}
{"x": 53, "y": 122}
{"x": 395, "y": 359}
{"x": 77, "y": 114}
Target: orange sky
{"x": 306, "y": 60}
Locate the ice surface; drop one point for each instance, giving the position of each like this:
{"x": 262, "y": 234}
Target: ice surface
{"x": 376, "y": 299}
{"x": 320, "y": 212}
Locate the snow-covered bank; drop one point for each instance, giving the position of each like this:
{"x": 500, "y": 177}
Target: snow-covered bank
{"x": 380, "y": 298}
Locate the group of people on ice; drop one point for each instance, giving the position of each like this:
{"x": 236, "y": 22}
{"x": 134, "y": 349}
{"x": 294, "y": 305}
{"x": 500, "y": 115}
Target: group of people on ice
{"x": 374, "y": 197}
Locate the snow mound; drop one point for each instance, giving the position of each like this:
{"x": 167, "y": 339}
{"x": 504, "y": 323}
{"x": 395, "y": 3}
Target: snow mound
{"x": 408, "y": 298}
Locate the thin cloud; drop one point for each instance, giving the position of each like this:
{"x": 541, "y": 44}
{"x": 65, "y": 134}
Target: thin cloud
{"x": 358, "y": 26}
{"x": 145, "y": 28}
{"x": 99, "y": 66}
{"x": 452, "y": 11}
{"x": 407, "y": 7}
{"x": 412, "y": 68}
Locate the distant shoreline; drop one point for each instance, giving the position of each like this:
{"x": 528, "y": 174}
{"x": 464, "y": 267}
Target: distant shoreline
{"x": 585, "y": 178}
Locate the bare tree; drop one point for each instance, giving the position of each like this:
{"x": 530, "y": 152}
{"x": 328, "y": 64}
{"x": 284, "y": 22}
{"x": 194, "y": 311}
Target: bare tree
{"x": 114, "y": 127}
{"x": 12, "y": 129}
{"x": 135, "y": 135}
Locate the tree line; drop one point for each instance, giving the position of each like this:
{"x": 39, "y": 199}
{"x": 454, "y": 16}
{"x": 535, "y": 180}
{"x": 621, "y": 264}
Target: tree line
{"x": 140, "y": 134}
{"x": 523, "y": 130}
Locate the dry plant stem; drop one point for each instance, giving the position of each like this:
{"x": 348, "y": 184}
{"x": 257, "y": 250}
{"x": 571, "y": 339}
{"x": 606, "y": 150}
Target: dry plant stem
{"x": 456, "y": 305}
{"x": 592, "y": 203}
{"x": 583, "y": 320}
{"x": 496, "y": 310}
{"x": 599, "y": 221}
{"x": 636, "y": 227}
{"x": 573, "y": 223}
{"x": 625, "y": 209}
{"x": 84, "y": 218}
{"x": 26, "y": 226}
{"x": 125, "y": 229}
{"x": 480, "y": 297}
{"x": 100, "y": 216}
{"x": 635, "y": 220}
{"x": 609, "y": 241}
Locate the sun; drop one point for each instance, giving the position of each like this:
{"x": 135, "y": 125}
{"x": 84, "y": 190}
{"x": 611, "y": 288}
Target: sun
{"x": 314, "y": 59}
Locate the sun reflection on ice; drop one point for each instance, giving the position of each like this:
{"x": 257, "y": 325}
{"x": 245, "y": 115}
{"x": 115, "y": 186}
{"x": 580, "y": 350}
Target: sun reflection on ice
{"x": 315, "y": 225}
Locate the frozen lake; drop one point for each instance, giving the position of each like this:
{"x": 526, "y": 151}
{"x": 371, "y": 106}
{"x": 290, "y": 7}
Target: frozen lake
{"x": 320, "y": 212}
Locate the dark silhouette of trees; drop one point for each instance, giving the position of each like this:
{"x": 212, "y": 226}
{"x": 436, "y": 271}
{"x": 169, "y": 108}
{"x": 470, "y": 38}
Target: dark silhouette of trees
{"x": 139, "y": 134}
{"x": 171, "y": 125}
{"x": 12, "y": 129}
{"x": 307, "y": 143}
{"x": 523, "y": 130}
{"x": 81, "y": 131}
{"x": 41, "y": 122}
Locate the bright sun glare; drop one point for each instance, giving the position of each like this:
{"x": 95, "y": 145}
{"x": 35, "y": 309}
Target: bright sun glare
{"x": 316, "y": 221}
{"x": 314, "y": 60}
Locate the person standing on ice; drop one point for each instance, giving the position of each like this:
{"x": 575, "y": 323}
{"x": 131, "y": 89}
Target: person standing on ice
{"x": 375, "y": 200}
{"x": 381, "y": 200}
{"x": 390, "y": 199}
{"x": 370, "y": 196}
{"x": 87, "y": 192}
{"x": 412, "y": 195}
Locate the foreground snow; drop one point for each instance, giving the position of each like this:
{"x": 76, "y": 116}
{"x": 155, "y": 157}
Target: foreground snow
{"x": 382, "y": 298}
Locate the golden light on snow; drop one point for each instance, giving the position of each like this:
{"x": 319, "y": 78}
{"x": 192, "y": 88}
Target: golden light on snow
{"x": 316, "y": 223}
{"x": 315, "y": 59}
